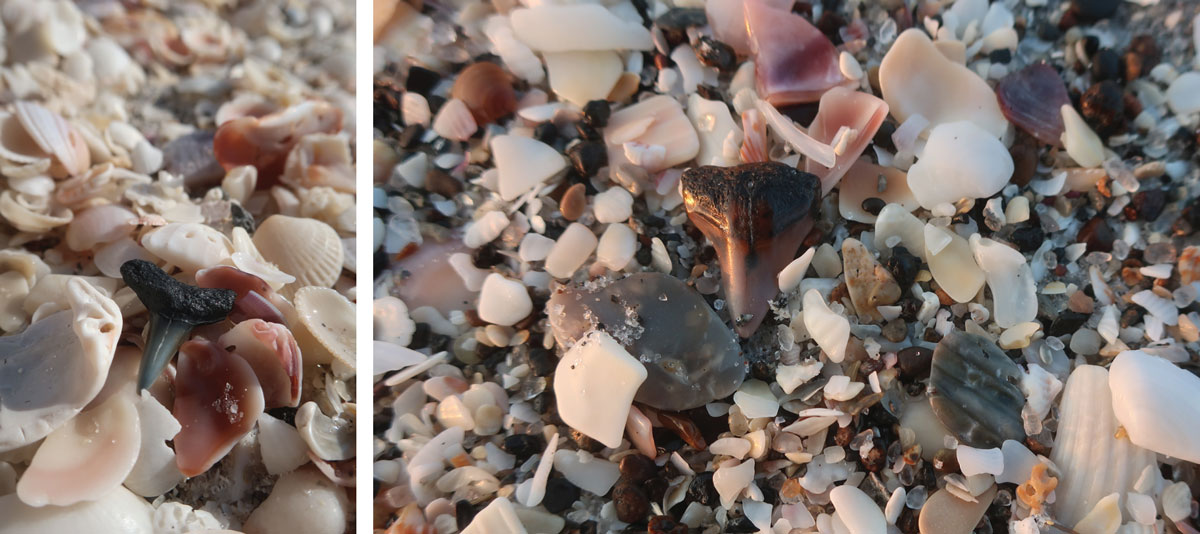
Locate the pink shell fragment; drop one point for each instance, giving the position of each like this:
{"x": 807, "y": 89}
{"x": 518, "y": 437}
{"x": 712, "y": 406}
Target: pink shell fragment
{"x": 255, "y": 298}
{"x": 272, "y": 351}
{"x": 794, "y": 62}
{"x": 842, "y": 107}
{"x": 729, "y": 24}
{"x": 217, "y": 401}
{"x": 1032, "y": 98}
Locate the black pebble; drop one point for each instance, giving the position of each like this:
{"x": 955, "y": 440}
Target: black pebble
{"x": 1106, "y": 65}
{"x": 464, "y": 513}
{"x": 1095, "y": 9}
{"x": 1028, "y": 238}
{"x": 1146, "y": 205}
{"x": 1066, "y": 322}
{"x": 702, "y": 490}
{"x": 560, "y": 495}
{"x": 903, "y": 266}
{"x": 883, "y": 136}
{"x": 421, "y": 80}
{"x": 587, "y": 132}
{"x": 637, "y": 468}
{"x": 873, "y": 205}
{"x": 546, "y": 132}
{"x": 739, "y": 525}
{"x": 541, "y": 363}
{"x": 630, "y": 501}
{"x": 522, "y": 445}
{"x": 1103, "y": 107}
{"x": 1097, "y": 234}
{"x": 587, "y": 157}
{"x": 241, "y": 218}
{"x": 714, "y": 53}
{"x": 1000, "y": 55}
{"x": 596, "y": 113}
{"x": 914, "y": 362}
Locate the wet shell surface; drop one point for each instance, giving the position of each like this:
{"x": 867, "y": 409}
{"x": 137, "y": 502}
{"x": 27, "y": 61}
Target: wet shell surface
{"x": 307, "y": 249}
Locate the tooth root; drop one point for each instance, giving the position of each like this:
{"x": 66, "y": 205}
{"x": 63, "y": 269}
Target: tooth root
{"x": 756, "y": 215}
{"x": 162, "y": 342}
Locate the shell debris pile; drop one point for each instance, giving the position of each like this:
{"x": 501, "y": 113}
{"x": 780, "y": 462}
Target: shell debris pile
{"x": 886, "y": 267}
{"x": 176, "y": 267}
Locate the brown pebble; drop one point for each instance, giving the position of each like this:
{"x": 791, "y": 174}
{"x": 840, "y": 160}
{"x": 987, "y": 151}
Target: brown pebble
{"x": 683, "y": 427}
{"x": 945, "y": 461}
{"x": 895, "y": 330}
{"x": 1142, "y": 55}
{"x": 1081, "y": 303}
{"x": 573, "y": 202}
{"x": 625, "y": 88}
{"x": 636, "y": 468}
{"x": 486, "y": 88}
{"x": 914, "y": 362}
{"x": 440, "y": 182}
{"x": 1024, "y": 154}
{"x": 791, "y": 491}
{"x": 1131, "y": 276}
{"x": 1097, "y": 234}
{"x": 630, "y": 501}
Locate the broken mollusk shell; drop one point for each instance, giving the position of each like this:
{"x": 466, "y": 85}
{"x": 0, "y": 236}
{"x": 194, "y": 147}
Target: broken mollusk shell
{"x": 794, "y": 62}
{"x": 973, "y": 391}
{"x": 189, "y": 246}
{"x": 217, "y": 401}
{"x": 324, "y": 328}
{"x": 54, "y": 136}
{"x": 308, "y": 249}
{"x": 255, "y": 298}
{"x": 330, "y": 438}
{"x": 756, "y": 215}
{"x": 272, "y": 351}
{"x": 265, "y": 142}
{"x": 1032, "y": 98}
{"x": 840, "y": 108}
{"x": 486, "y": 89}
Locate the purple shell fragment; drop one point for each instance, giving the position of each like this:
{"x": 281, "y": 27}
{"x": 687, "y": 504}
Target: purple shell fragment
{"x": 1032, "y": 98}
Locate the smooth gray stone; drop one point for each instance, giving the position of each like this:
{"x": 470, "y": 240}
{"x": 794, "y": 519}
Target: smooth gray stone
{"x": 691, "y": 357}
{"x": 973, "y": 388}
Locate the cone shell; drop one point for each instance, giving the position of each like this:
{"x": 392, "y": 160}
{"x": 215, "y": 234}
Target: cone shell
{"x": 305, "y": 248}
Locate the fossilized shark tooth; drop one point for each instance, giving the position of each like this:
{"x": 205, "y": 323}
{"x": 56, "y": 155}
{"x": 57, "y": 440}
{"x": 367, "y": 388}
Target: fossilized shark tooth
{"x": 756, "y": 215}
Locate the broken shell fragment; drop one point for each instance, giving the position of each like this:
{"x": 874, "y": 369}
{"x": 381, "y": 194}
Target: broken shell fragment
{"x": 863, "y": 181}
{"x": 189, "y": 246}
{"x": 830, "y": 330}
{"x": 117, "y": 512}
{"x": 486, "y": 89}
{"x": 581, "y": 76}
{"x": 952, "y": 264}
{"x": 217, "y": 401}
{"x": 683, "y": 372}
{"x": 1031, "y": 98}
{"x": 842, "y": 108}
{"x": 568, "y": 28}
{"x": 324, "y": 327}
{"x": 523, "y": 164}
{"x": 175, "y": 309}
{"x": 49, "y": 372}
{"x": 99, "y": 225}
{"x": 302, "y": 501}
{"x": 973, "y": 391}
{"x": 272, "y": 352}
{"x": 870, "y": 285}
{"x": 255, "y": 298}
{"x": 331, "y": 439}
{"x": 265, "y": 142}
{"x": 155, "y": 472}
{"x": 54, "y": 136}
{"x": 755, "y": 215}
{"x": 960, "y": 161}
{"x": 1014, "y": 295}
{"x": 794, "y": 62}
{"x": 597, "y": 363}
{"x": 307, "y": 249}
{"x": 1157, "y": 403}
{"x": 655, "y": 125}
{"x": 87, "y": 458}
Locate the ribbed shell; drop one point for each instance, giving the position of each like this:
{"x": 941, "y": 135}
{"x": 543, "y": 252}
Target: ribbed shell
{"x": 1093, "y": 461}
{"x": 305, "y": 248}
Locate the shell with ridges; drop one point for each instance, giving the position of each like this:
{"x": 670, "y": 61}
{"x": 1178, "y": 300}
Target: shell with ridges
{"x": 54, "y": 135}
{"x": 307, "y": 249}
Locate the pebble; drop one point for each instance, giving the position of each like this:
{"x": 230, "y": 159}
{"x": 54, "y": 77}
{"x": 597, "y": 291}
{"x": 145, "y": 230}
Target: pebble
{"x": 573, "y": 202}
{"x": 960, "y": 161}
{"x": 595, "y": 364}
{"x": 1183, "y": 95}
{"x": 614, "y": 205}
{"x": 735, "y": 447}
{"x": 755, "y": 399}
{"x": 973, "y": 391}
{"x": 1157, "y": 403}
{"x": 591, "y": 474}
{"x": 1177, "y": 501}
{"x": 636, "y": 468}
{"x": 1097, "y": 234}
{"x": 953, "y": 265}
{"x": 870, "y": 285}
{"x": 1142, "y": 54}
{"x": 502, "y": 301}
{"x": 1095, "y": 9}
{"x": 570, "y": 251}
{"x": 485, "y": 229}
{"x": 944, "y": 513}
{"x": 534, "y": 247}
{"x": 596, "y": 113}
{"x": 523, "y": 163}
{"x": 616, "y": 247}
{"x": 631, "y": 503}
{"x": 972, "y": 461}
{"x": 1103, "y": 106}
{"x": 857, "y": 511}
{"x": 1082, "y": 144}
{"x": 587, "y": 157}
{"x": 566, "y": 28}
{"x": 1104, "y": 517}
{"x": 729, "y": 481}
{"x": 714, "y": 53}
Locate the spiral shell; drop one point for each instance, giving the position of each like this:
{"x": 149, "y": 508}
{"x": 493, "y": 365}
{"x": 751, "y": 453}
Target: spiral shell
{"x": 305, "y": 248}
{"x": 486, "y": 89}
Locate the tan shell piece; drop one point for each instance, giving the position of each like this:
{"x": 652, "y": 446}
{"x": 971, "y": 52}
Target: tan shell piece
{"x": 944, "y": 513}
{"x": 308, "y": 249}
{"x": 324, "y": 327}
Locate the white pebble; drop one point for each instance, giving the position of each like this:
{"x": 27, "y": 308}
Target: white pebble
{"x": 961, "y": 160}
{"x": 857, "y": 511}
{"x": 1177, "y": 501}
{"x": 755, "y": 399}
{"x": 1183, "y": 95}
{"x": 503, "y": 301}
{"x": 534, "y": 247}
{"x": 570, "y": 251}
{"x": 1141, "y": 508}
{"x": 849, "y": 66}
{"x": 1158, "y": 403}
{"x": 595, "y": 382}
{"x": 613, "y": 206}
{"x": 485, "y": 229}
{"x": 790, "y": 276}
{"x": 974, "y": 461}
{"x": 729, "y": 481}
{"x": 735, "y": 447}
{"x": 617, "y": 246}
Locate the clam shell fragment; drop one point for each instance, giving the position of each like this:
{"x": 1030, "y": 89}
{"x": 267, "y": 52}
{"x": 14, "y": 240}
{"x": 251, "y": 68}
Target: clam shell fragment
{"x": 307, "y": 249}
{"x": 217, "y": 401}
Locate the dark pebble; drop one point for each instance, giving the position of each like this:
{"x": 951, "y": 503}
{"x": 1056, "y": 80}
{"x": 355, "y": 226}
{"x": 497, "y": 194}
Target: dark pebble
{"x": 883, "y": 136}
{"x": 596, "y": 113}
{"x": 914, "y": 362}
{"x": 1028, "y": 238}
{"x": 709, "y": 92}
{"x": 523, "y": 445}
{"x": 241, "y": 218}
{"x": 1066, "y": 322}
{"x": 411, "y": 136}
{"x": 1146, "y": 205}
{"x": 702, "y": 490}
{"x": 1024, "y": 152}
{"x": 666, "y": 441}
{"x": 546, "y": 132}
{"x": 560, "y": 495}
{"x": 1097, "y": 234}
{"x": 637, "y": 468}
{"x": 1103, "y": 107}
{"x": 680, "y": 18}
{"x": 665, "y": 524}
{"x": 582, "y": 441}
{"x": 1001, "y": 55}
{"x": 440, "y": 182}
{"x": 421, "y": 80}
{"x": 1091, "y": 45}
{"x": 1095, "y": 9}
{"x": 739, "y": 525}
{"x": 486, "y": 257}
{"x": 875, "y": 459}
{"x": 464, "y": 513}
{"x": 1141, "y": 56}
{"x": 630, "y": 501}
{"x": 587, "y": 132}
{"x": 1048, "y": 32}
{"x": 873, "y": 205}
{"x": 656, "y": 488}
{"x": 1106, "y": 65}
{"x": 541, "y": 362}
{"x": 643, "y": 256}
{"x": 588, "y": 157}
{"x": 904, "y": 266}
{"x": 829, "y": 24}
{"x": 714, "y": 53}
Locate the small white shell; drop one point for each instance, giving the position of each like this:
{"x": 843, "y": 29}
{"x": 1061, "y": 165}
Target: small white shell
{"x": 239, "y": 182}
{"x": 189, "y": 246}
{"x": 117, "y": 511}
{"x": 330, "y": 439}
{"x": 321, "y": 160}
{"x": 31, "y": 214}
{"x": 454, "y": 121}
{"x": 99, "y": 225}
{"x": 155, "y": 472}
{"x": 247, "y": 258}
{"x": 112, "y": 256}
{"x": 415, "y": 109}
{"x": 830, "y": 330}
{"x": 392, "y": 323}
{"x": 54, "y": 135}
{"x": 324, "y": 327}
{"x": 1177, "y": 501}
{"x": 307, "y": 249}
{"x": 282, "y": 448}
{"x": 302, "y": 501}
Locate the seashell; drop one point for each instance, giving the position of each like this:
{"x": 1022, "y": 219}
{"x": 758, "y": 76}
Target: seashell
{"x": 1087, "y": 438}
{"x": 945, "y": 513}
{"x": 713, "y": 124}
{"x": 1161, "y": 308}
{"x": 754, "y": 144}
{"x": 1008, "y": 276}
{"x": 324, "y": 327}
{"x": 1157, "y": 403}
{"x": 581, "y": 76}
{"x": 217, "y": 401}
{"x": 55, "y": 136}
{"x": 973, "y": 391}
{"x": 155, "y": 472}
{"x": 99, "y": 225}
{"x": 392, "y": 322}
{"x": 863, "y": 180}
{"x": 1189, "y": 265}
{"x": 844, "y": 108}
{"x": 658, "y": 120}
{"x": 519, "y": 59}
{"x": 857, "y": 511}
{"x": 569, "y": 28}
{"x": 794, "y": 62}
{"x": 282, "y": 448}
{"x": 729, "y": 24}
{"x": 189, "y": 246}
{"x": 1080, "y": 141}
{"x": 31, "y": 214}
{"x": 51, "y": 293}
{"x": 56, "y": 366}
{"x": 454, "y": 121}
{"x": 239, "y": 183}
{"x": 307, "y": 249}
{"x": 247, "y": 259}
{"x": 952, "y": 265}
{"x": 331, "y": 439}
{"x": 244, "y": 105}
{"x": 265, "y": 142}
{"x": 272, "y": 352}
{"x": 1031, "y": 98}
{"x": 320, "y": 160}
{"x": 112, "y": 66}
{"x": 86, "y": 458}
{"x": 787, "y": 130}
{"x": 255, "y": 299}
{"x": 487, "y": 91}
{"x": 33, "y": 186}
{"x": 302, "y": 501}
{"x": 117, "y": 511}
{"x": 415, "y": 109}
{"x": 960, "y": 161}
{"x": 110, "y": 257}
{"x": 523, "y": 164}
{"x": 19, "y": 273}
{"x": 830, "y": 330}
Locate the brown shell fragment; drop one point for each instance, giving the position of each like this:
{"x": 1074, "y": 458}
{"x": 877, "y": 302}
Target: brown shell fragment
{"x": 217, "y": 401}
{"x": 1032, "y": 98}
{"x": 756, "y": 215}
{"x": 265, "y": 142}
{"x": 255, "y": 298}
{"x": 870, "y": 284}
{"x": 486, "y": 89}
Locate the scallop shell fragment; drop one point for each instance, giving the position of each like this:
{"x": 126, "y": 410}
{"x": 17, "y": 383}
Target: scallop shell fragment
{"x": 307, "y": 249}
{"x": 324, "y": 327}
{"x": 54, "y": 136}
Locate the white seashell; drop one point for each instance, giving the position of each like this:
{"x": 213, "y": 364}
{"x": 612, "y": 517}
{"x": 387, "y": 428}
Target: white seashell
{"x": 239, "y": 183}
{"x": 499, "y": 517}
{"x": 594, "y": 475}
{"x": 112, "y": 66}
{"x": 1010, "y": 280}
{"x": 31, "y": 214}
{"x": 1086, "y": 439}
{"x": 307, "y": 249}
{"x": 754, "y": 141}
{"x": 656, "y": 121}
{"x": 1177, "y": 501}
{"x": 895, "y": 225}
{"x": 321, "y": 160}
{"x": 247, "y": 258}
{"x": 155, "y": 472}
{"x": 565, "y": 28}
{"x": 112, "y": 256}
{"x": 616, "y": 247}
{"x": 519, "y": 59}
{"x": 189, "y": 246}
{"x": 788, "y": 131}
{"x": 328, "y": 438}
{"x": 282, "y": 448}
{"x": 570, "y": 251}
{"x": 86, "y": 458}
{"x": 523, "y": 164}
{"x": 1109, "y": 328}
{"x": 1104, "y": 518}
{"x": 1082, "y": 144}
{"x": 729, "y": 481}
{"x": 581, "y": 76}
{"x": 56, "y": 366}
{"x": 714, "y": 125}
{"x": 392, "y": 323}
{"x": 597, "y": 363}
{"x": 830, "y": 330}
{"x": 414, "y": 108}
{"x": 1157, "y": 403}
{"x": 485, "y": 229}
{"x": 55, "y": 136}
{"x": 34, "y": 186}
{"x": 61, "y": 29}
{"x": 117, "y": 512}
{"x": 454, "y": 121}
{"x": 1161, "y": 308}
{"x": 961, "y": 160}
{"x": 302, "y": 501}
{"x": 99, "y": 225}
{"x": 324, "y": 328}
{"x": 954, "y": 267}
{"x": 858, "y": 512}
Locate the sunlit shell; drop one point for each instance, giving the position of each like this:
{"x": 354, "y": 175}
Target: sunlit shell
{"x": 99, "y": 225}
{"x": 31, "y": 214}
{"x": 239, "y": 182}
{"x": 86, "y": 458}
{"x": 217, "y": 401}
{"x": 110, "y": 257}
{"x": 247, "y": 258}
{"x": 331, "y": 439}
{"x": 15, "y": 143}
{"x": 324, "y": 327}
{"x": 321, "y": 160}
{"x": 282, "y": 448}
{"x": 754, "y": 144}
{"x": 155, "y": 472}
{"x": 245, "y": 104}
{"x": 56, "y": 366}
{"x": 265, "y": 142}
{"x": 271, "y": 351}
{"x": 487, "y": 90}
{"x": 100, "y": 182}
{"x": 189, "y": 246}
{"x": 255, "y": 298}
{"x": 117, "y": 511}
{"x": 62, "y": 29}
{"x": 308, "y": 249}
{"x": 1189, "y": 265}
{"x": 19, "y": 273}
{"x": 54, "y": 135}
{"x": 454, "y": 121}
{"x": 52, "y": 292}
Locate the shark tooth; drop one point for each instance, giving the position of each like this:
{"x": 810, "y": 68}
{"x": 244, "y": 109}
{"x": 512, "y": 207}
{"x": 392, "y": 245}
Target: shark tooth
{"x": 756, "y": 215}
